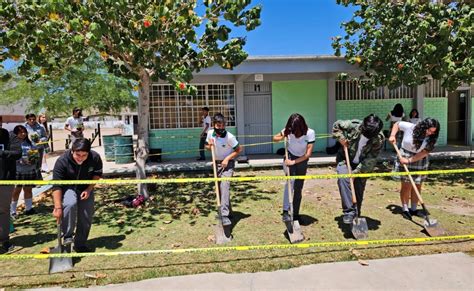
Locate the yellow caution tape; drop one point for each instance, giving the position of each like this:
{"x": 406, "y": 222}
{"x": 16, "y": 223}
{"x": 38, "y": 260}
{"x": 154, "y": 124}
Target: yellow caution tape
{"x": 351, "y": 243}
{"x": 238, "y": 179}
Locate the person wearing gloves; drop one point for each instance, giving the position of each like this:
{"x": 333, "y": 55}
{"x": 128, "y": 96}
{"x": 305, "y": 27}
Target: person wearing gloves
{"x": 301, "y": 140}
{"x": 227, "y": 148}
{"x": 364, "y": 142}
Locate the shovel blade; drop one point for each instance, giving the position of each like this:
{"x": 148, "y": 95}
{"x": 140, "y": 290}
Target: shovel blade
{"x": 293, "y": 229}
{"x": 59, "y": 265}
{"x": 360, "y": 230}
{"x": 433, "y": 228}
{"x": 222, "y": 233}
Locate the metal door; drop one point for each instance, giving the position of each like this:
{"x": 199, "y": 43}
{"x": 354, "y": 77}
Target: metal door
{"x": 258, "y": 117}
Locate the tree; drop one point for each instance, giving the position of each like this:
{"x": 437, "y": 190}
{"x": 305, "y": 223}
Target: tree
{"x": 406, "y": 41}
{"x": 137, "y": 39}
{"x": 87, "y": 86}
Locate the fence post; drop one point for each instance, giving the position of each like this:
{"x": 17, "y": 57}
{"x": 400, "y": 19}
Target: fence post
{"x": 100, "y": 135}
{"x": 51, "y": 138}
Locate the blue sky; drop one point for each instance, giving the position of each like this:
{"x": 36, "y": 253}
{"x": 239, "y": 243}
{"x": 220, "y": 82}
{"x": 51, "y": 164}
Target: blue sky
{"x": 297, "y": 27}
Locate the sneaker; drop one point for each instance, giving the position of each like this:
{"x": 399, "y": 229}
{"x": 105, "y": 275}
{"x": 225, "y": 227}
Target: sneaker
{"x": 67, "y": 241}
{"x": 14, "y": 215}
{"x": 200, "y": 159}
{"x": 30, "y": 212}
{"x": 82, "y": 249}
{"x": 348, "y": 218}
{"x": 285, "y": 217}
{"x": 226, "y": 221}
{"x": 406, "y": 215}
{"x": 6, "y": 247}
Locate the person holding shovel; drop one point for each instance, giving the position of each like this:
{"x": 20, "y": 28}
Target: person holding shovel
{"x": 417, "y": 142}
{"x": 364, "y": 142}
{"x": 74, "y": 204}
{"x": 301, "y": 140}
{"x": 227, "y": 148}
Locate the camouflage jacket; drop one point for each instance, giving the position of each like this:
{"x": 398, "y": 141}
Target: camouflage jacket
{"x": 350, "y": 130}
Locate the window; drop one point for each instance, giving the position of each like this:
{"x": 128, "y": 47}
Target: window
{"x": 171, "y": 109}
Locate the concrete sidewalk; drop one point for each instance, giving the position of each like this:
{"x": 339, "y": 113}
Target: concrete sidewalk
{"x": 453, "y": 271}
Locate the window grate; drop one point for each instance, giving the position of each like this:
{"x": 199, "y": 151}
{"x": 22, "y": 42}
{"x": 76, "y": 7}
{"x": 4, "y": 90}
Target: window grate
{"x": 171, "y": 109}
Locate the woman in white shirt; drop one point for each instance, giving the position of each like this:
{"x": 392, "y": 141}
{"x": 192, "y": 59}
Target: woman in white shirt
{"x": 418, "y": 141}
{"x": 301, "y": 139}
{"x": 414, "y": 116}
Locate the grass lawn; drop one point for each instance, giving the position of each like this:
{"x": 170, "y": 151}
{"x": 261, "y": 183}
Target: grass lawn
{"x": 182, "y": 216}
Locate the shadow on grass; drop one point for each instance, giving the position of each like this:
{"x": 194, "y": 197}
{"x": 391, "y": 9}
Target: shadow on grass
{"x": 306, "y": 220}
{"x": 346, "y": 229}
{"x": 397, "y": 210}
{"x": 237, "y": 217}
{"x": 168, "y": 201}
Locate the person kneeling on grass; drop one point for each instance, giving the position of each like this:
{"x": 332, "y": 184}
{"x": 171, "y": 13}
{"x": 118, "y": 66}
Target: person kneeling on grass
{"x": 301, "y": 139}
{"x": 74, "y": 204}
{"x": 418, "y": 141}
{"x": 227, "y": 148}
{"x": 364, "y": 142}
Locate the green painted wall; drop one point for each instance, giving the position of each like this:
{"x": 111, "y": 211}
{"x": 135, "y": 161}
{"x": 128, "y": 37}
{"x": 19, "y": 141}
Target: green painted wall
{"x": 438, "y": 108}
{"x": 358, "y": 109}
{"x": 178, "y": 143}
{"x": 472, "y": 119}
{"x": 308, "y": 98}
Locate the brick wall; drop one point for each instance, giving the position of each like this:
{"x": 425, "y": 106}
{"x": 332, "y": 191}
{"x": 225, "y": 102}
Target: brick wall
{"x": 358, "y": 109}
{"x": 173, "y": 141}
{"x": 438, "y": 108}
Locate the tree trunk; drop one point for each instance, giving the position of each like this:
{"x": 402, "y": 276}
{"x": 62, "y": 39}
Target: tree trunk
{"x": 143, "y": 121}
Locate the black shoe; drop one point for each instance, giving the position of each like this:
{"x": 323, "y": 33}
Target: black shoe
{"x": 406, "y": 215}
{"x": 200, "y": 159}
{"x": 30, "y": 212}
{"x": 67, "y": 241}
{"x": 226, "y": 221}
{"x": 348, "y": 218}
{"x": 285, "y": 217}
{"x": 6, "y": 247}
{"x": 82, "y": 249}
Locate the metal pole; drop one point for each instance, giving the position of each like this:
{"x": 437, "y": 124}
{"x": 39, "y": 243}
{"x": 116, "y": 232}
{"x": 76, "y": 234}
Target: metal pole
{"x": 51, "y": 138}
{"x": 100, "y": 135}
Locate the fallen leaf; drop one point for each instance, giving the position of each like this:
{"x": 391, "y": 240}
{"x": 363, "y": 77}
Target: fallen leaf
{"x": 45, "y": 250}
{"x": 195, "y": 211}
{"x": 461, "y": 222}
{"x": 100, "y": 275}
{"x": 176, "y": 245}
{"x": 363, "y": 263}
{"x": 167, "y": 221}
{"x": 211, "y": 238}
{"x": 356, "y": 253}
{"x": 162, "y": 228}
{"x": 90, "y": 276}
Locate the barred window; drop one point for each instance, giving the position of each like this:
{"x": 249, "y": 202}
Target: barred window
{"x": 350, "y": 90}
{"x": 433, "y": 89}
{"x": 171, "y": 109}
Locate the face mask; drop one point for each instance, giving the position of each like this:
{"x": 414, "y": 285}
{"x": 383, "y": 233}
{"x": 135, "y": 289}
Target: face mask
{"x": 220, "y": 132}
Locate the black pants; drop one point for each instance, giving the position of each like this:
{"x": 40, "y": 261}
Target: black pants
{"x": 297, "y": 185}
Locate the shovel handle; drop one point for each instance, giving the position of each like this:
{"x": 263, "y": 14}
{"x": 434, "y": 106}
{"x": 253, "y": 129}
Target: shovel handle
{"x": 287, "y": 173}
{"x": 60, "y": 243}
{"x": 349, "y": 170}
{"x": 410, "y": 177}
{"x": 214, "y": 170}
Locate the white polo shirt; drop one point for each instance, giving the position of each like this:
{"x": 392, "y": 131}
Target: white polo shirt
{"x": 224, "y": 145}
{"x": 206, "y": 121}
{"x": 297, "y": 146}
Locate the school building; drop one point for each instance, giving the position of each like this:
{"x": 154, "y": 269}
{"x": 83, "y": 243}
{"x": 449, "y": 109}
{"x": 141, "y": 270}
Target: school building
{"x": 258, "y": 96}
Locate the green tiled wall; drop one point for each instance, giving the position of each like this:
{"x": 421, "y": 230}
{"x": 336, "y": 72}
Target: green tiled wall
{"x": 179, "y": 143}
{"x": 438, "y": 108}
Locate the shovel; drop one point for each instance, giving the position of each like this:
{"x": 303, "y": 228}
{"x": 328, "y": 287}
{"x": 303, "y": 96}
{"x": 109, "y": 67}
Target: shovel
{"x": 293, "y": 227}
{"x": 222, "y": 232}
{"x": 431, "y": 226}
{"x": 360, "y": 230}
{"x": 59, "y": 265}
